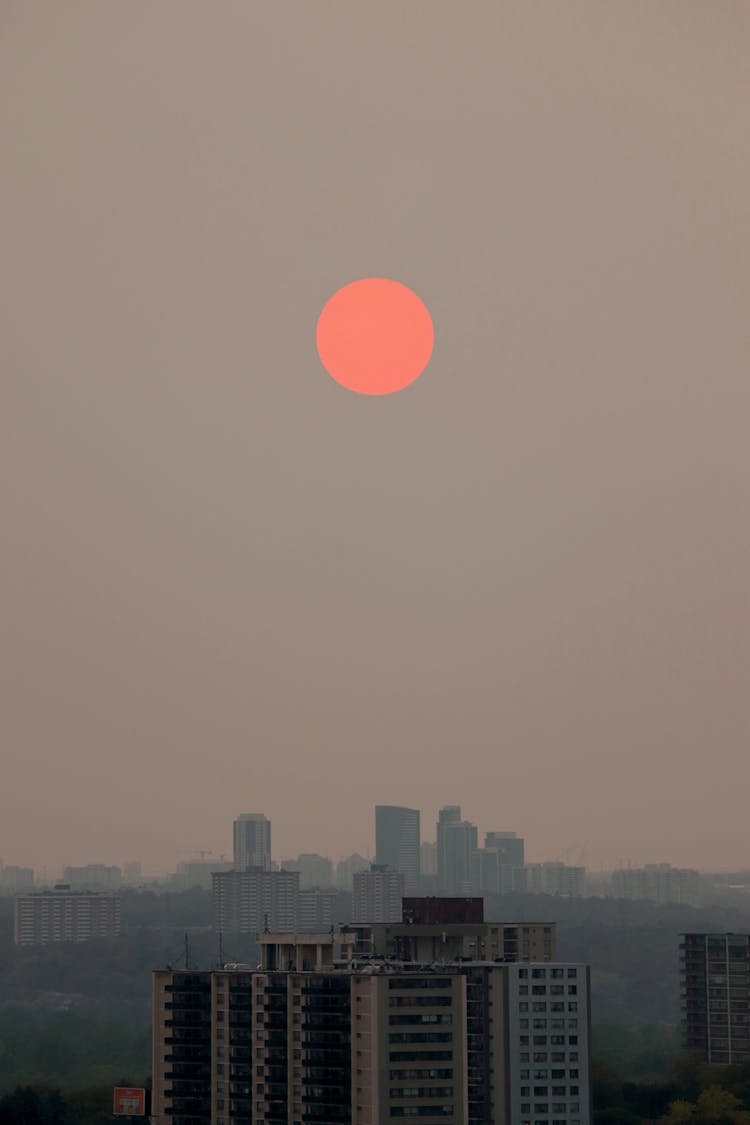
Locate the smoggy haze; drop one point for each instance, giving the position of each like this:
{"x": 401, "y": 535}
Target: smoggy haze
{"x": 521, "y": 584}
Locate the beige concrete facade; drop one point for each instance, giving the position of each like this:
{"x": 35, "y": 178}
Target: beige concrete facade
{"x": 316, "y": 1035}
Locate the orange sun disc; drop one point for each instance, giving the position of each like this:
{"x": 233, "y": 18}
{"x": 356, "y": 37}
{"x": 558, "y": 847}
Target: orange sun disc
{"x": 375, "y": 336}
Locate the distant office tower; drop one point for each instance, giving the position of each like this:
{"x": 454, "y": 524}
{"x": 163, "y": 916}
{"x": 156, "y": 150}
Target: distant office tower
{"x": 457, "y": 853}
{"x": 64, "y": 915}
{"x": 508, "y": 845}
{"x": 714, "y": 986}
{"x": 659, "y": 883}
{"x": 347, "y": 868}
{"x": 428, "y": 858}
{"x": 132, "y": 872}
{"x": 377, "y": 895}
{"x": 314, "y": 870}
{"x": 397, "y": 841}
{"x": 501, "y": 866}
{"x": 252, "y": 842}
{"x": 556, "y": 879}
{"x": 320, "y": 1034}
{"x": 246, "y": 902}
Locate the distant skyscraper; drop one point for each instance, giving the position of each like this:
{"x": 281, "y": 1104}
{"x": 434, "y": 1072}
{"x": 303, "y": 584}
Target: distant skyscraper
{"x": 508, "y": 845}
{"x": 397, "y": 841}
{"x": 428, "y": 858}
{"x": 501, "y": 868}
{"x": 457, "y": 853}
{"x": 252, "y": 842}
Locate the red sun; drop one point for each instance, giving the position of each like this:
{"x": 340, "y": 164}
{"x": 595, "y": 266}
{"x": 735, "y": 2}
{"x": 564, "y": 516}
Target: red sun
{"x": 375, "y": 336}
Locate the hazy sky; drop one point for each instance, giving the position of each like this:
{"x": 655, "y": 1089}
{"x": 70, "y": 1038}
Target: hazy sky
{"x": 523, "y": 583}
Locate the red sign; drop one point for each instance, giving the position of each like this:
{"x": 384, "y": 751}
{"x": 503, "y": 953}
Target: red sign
{"x": 129, "y": 1102}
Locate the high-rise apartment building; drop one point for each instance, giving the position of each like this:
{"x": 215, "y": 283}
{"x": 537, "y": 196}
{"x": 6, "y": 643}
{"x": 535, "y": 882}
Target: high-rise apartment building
{"x": 397, "y": 841}
{"x": 347, "y": 868}
{"x": 252, "y": 842}
{"x": 377, "y": 895}
{"x": 715, "y": 986}
{"x": 320, "y": 1034}
{"x": 555, "y": 879}
{"x": 316, "y": 910}
{"x": 246, "y": 902}
{"x": 64, "y": 915}
{"x": 93, "y": 877}
{"x": 457, "y": 853}
{"x": 659, "y": 883}
{"x": 14, "y": 879}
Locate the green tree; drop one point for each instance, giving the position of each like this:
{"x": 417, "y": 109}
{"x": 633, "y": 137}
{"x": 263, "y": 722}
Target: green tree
{"x": 714, "y": 1106}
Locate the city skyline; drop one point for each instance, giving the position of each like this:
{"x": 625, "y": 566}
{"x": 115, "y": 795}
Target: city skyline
{"x": 283, "y": 857}
{"x": 521, "y": 583}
